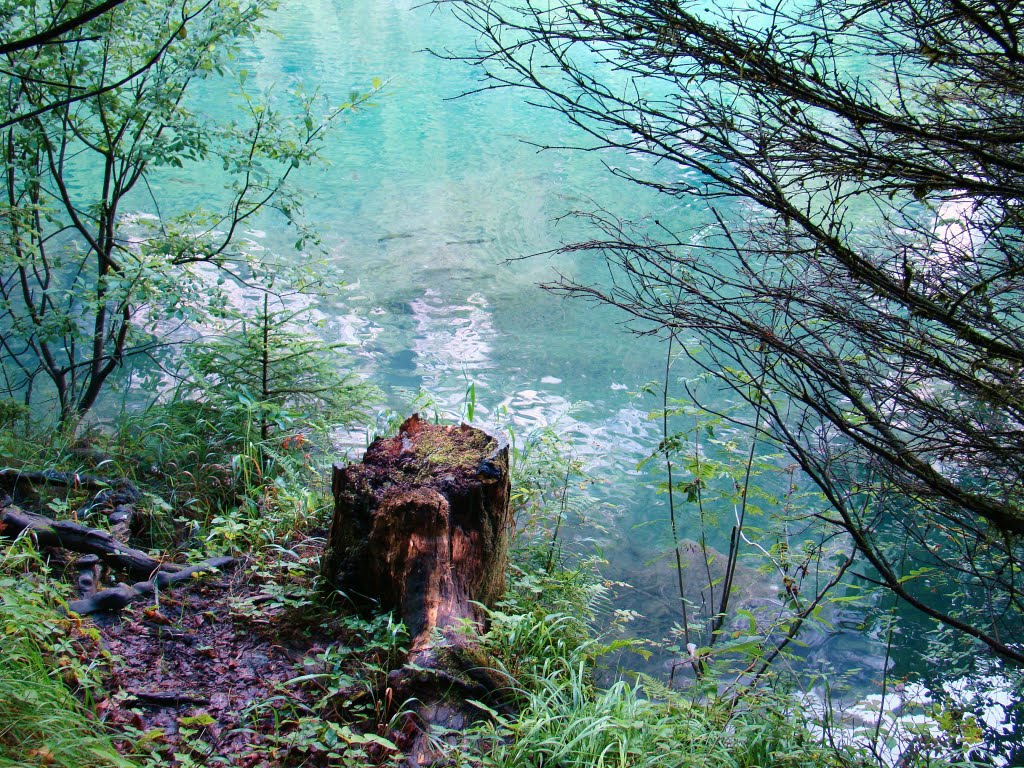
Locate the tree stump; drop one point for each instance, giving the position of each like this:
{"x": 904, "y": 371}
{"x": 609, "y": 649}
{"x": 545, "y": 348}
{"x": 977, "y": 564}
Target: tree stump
{"x": 421, "y": 527}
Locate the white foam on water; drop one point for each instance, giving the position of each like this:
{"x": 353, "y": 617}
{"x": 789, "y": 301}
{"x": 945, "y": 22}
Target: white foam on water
{"x": 450, "y": 336}
{"x": 906, "y": 720}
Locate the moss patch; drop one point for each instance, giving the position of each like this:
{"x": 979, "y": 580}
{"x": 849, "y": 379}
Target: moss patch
{"x": 456, "y": 448}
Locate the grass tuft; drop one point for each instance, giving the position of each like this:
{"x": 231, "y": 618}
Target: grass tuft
{"x": 43, "y": 664}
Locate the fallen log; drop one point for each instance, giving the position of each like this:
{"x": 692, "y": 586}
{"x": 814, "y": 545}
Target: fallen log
{"x": 108, "y": 493}
{"x": 421, "y": 527}
{"x": 11, "y": 478}
{"x": 80, "y": 538}
{"x": 153, "y": 574}
{"x": 117, "y": 498}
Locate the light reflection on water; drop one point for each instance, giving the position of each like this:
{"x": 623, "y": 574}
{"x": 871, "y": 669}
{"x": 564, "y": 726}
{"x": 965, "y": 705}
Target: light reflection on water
{"x": 451, "y": 337}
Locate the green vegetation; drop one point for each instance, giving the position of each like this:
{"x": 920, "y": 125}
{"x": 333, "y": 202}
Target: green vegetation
{"x": 543, "y": 636}
{"x": 262, "y": 666}
{"x": 567, "y": 722}
{"x": 838, "y": 246}
{"x": 99, "y": 276}
{"x": 555, "y": 639}
{"x": 48, "y": 673}
{"x": 272, "y": 368}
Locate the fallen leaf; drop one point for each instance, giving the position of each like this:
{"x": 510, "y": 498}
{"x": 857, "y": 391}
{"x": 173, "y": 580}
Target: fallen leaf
{"x": 154, "y": 615}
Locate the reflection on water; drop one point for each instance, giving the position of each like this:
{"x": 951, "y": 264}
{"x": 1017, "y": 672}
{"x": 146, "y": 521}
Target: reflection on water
{"x": 450, "y": 337}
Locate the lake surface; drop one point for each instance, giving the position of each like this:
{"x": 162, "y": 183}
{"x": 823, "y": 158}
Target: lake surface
{"x": 429, "y": 205}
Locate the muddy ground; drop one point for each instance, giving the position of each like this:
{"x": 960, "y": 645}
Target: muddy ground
{"x": 210, "y": 674}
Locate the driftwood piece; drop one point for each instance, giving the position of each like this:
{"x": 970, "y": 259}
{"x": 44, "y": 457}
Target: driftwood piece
{"x": 81, "y": 538}
{"x": 421, "y": 527}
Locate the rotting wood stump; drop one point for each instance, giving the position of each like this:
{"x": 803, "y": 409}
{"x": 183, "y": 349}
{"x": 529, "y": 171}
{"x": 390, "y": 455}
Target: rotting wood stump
{"x": 421, "y": 527}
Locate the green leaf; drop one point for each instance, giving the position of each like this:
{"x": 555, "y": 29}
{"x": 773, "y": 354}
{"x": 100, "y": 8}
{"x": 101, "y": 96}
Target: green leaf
{"x": 480, "y": 705}
{"x": 346, "y": 734}
{"x": 200, "y": 721}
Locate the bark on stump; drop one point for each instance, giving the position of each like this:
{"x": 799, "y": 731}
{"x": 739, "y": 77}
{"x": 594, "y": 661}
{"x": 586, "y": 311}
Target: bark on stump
{"x": 421, "y": 527}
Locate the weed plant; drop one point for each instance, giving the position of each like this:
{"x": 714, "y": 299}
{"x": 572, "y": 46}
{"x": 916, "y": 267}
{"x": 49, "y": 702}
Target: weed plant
{"x": 210, "y": 461}
{"x": 48, "y": 673}
{"x": 339, "y": 710}
{"x": 541, "y": 637}
{"x": 237, "y": 492}
{"x": 244, "y": 476}
{"x": 546, "y": 639}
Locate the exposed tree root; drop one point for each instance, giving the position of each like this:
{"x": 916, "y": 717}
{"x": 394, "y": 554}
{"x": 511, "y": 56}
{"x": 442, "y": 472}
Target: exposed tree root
{"x": 153, "y": 574}
{"x": 82, "y": 539}
{"x": 122, "y": 595}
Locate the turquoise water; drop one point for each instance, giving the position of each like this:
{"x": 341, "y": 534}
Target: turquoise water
{"x": 428, "y": 206}
{"x": 427, "y": 198}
